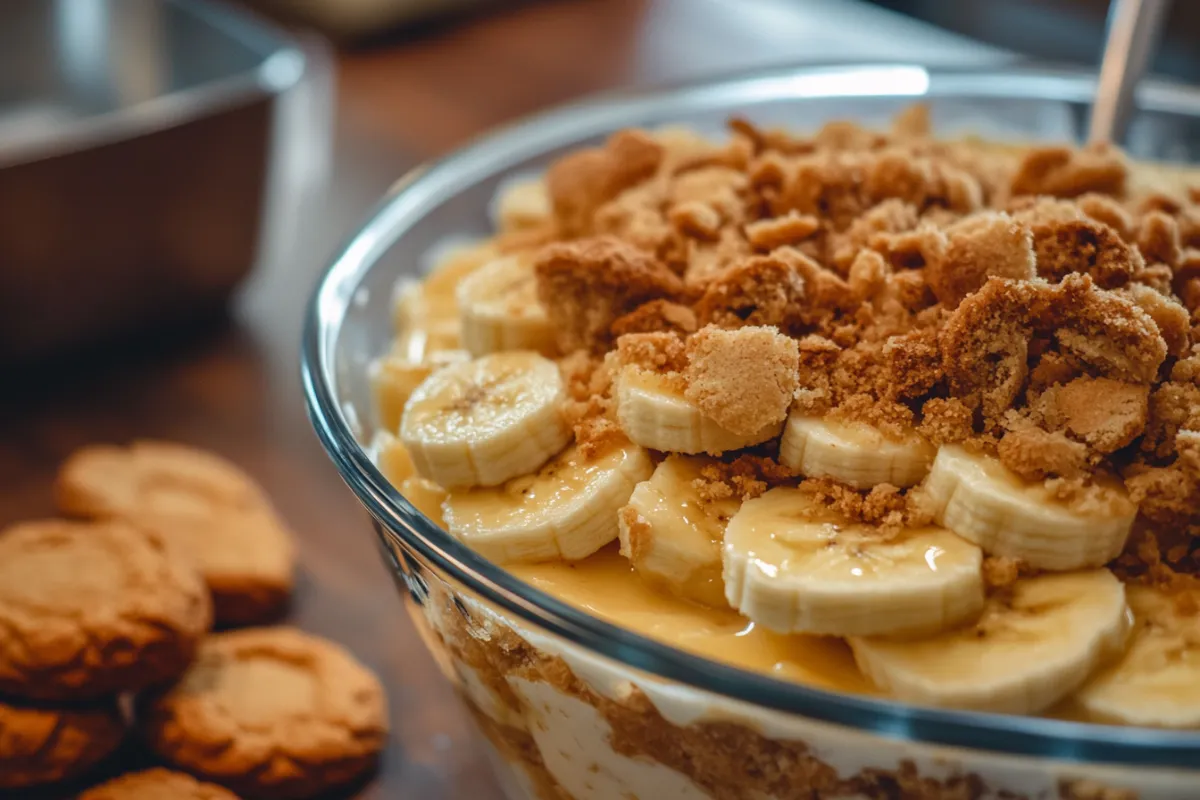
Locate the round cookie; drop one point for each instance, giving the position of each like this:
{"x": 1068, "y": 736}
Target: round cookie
{"x": 42, "y": 745}
{"x": 270, "y": 712}
{"x": 205, "y": 504}
{"x": 91, "y": 609}
{"x": 157, "y": 784}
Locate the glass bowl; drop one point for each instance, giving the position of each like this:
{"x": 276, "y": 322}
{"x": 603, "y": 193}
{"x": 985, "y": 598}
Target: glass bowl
{"x": 574, "y": 707}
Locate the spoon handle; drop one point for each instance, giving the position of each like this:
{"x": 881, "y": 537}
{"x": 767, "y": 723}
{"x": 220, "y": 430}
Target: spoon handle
{"x": 1133, "y": 31}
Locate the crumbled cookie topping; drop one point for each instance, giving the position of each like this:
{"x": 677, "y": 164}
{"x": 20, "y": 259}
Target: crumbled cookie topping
{"x": 1039, "y": 304}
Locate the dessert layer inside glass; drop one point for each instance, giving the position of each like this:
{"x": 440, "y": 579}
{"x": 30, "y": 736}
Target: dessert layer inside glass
{"x": 873, "y": 412}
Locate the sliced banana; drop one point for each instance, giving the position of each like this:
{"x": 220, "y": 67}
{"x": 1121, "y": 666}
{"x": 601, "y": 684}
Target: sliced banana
{"x": 1157, "y": 682}
{"x": 673, "y": 537}
{"x": 980, "y": 499}
{"x": 521, "y": 204}
{"x": 499, "y": 309}
{"x": 853, "y": 453}
{"x": 485, "y": 421}
{"x": 1030, "y": 648}
{"x": 794, "y": 566}
{"x": 654, "y": 413}
{"x": 397, "y": 466}
{"x": 429, "y": 302}
{"x": 394, "y": 378}
{"x": 566, "y": 510}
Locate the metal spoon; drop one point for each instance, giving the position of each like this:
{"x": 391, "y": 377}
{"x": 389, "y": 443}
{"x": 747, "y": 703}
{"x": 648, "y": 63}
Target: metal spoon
{"x": 1133, "y": 31}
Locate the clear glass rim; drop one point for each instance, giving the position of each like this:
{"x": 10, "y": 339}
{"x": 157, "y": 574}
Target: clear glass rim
{"x": 401, "y": 207}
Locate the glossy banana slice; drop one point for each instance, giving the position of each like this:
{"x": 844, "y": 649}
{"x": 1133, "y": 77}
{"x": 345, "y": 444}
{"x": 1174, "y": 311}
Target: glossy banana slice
{"x": 566, "y": 510}
{"x": 432, "y": 327}
{"x": 1029, "y": 649}
{"x": 397, "y": 466}
{"x": 429, "y": 302}
{"x": 394, "y": 378}
{"x": 1157, "y": 681}
{"x": 521, "y": 204}
{"x": 796, "y": 567}
{"x": 980, "y": 499}
{"x": 654, "y": 413}
{"x": 485, "y": 421}
{"x": 673, "y": 537}
{"x": 500, "y": 310}
{"x": 854, "y": 453}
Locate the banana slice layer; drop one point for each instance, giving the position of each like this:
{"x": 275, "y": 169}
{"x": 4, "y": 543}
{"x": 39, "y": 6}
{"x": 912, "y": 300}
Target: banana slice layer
{"x": 395, "y": 377}
{"x": 397, "y": 466}
{"x": 500, "y": 309}
{"x": 672, "y": 536}
{"x": 486, "y": 421}
{"x": 854, "y": 453}
{"x": 1029, "y": 649}
{"x": 980, "y": 499}
{"x": 566, "y": 510}
{"x": 796, "y": 567}
{"x": 1157, "y": 682}
{"x": 655, "y": 414}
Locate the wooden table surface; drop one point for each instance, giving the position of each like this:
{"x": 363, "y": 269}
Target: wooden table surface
{"x": 234, "y": 388}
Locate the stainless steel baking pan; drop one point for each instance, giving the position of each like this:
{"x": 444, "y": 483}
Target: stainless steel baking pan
{"x": 146, "y": 149}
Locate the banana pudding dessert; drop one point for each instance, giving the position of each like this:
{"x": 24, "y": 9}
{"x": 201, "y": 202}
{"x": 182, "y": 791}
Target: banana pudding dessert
{"x": 873, "y": 412}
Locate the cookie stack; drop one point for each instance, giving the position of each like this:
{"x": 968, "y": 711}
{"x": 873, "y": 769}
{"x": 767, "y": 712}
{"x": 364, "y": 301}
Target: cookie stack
{"x": 118, "y": 602}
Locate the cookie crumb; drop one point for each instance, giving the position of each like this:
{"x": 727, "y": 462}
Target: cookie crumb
{"x": 760, "y": 290}
{"x": 586, "y": 285}
{"x": 791, "y": 228}
{"x": 987, "y": 245}
{"x": 1105, "y": 414}
{"x": 744, "y": 379}
{"x": 580, "y": 182}
{"x": 657, "y": 316}
{"x": 1069, "y": 172}
{"x": 1086, "y": 247}
{"x": 1036, "y": 454}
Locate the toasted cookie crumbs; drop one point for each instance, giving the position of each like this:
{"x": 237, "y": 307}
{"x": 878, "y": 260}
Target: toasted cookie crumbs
{"x": 586, "y": 285}
{"x": 1173, "y": 320}
{"x": 1103, "y": 413}
{"x": 791, "y": 228}
{"x": 1158, "y": 239}
{"x": 1066, "y": 172}
{"x": 1086, "y": 247}
{"x": 744, "y": 379}
{"x": 580, "y": 183}
{"x": 655, "y": 352}
{"x": 981, "y": 247}
{"x": 1036, "y": 454}
{"x": 1001, "y": 572}
{"x": 744, "y": 476}
{"x": 657, "y": 316}
{"x": 1037, "y": 304}
{"x": 761, "y": 290}
{"x": 1107, "y": 210}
